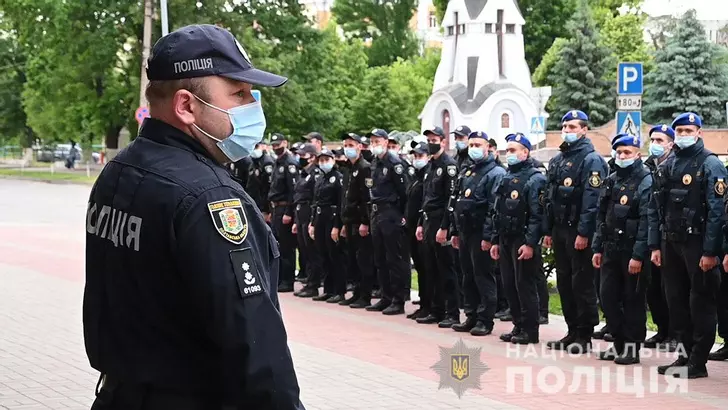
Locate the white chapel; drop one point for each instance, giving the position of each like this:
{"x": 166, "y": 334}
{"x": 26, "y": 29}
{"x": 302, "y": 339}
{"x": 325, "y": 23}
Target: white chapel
{"x": 483, "y": 80}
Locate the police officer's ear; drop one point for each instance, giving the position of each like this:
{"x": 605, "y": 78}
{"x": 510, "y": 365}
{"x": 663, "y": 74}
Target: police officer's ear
{"x": 185, "y": 107}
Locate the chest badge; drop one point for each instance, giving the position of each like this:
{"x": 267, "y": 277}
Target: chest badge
{"x": 569, "y": 164}
{"x": 281, "y": 169}
{"x": 438, "y": 172}
{"x": 515, "y": 181}
{"x": 411, "y": 171}
{"x": 720, "y": 186}
{"x": 568, "y": 181}
{"x": 355, "y": 173}
{"x": 623, "y": 200}
{"x": 467, "y": 174}
{"x": 384, "y": 171}
{"x": 594, "y": 180}
{"x": 687, "y": 179}
{"x": 332, "y": 180}
{"x": 257, "y": 172}
{"x": 368, "y": 182}
{"x": 514, "y": 194}
{"x": 468, "y": 192}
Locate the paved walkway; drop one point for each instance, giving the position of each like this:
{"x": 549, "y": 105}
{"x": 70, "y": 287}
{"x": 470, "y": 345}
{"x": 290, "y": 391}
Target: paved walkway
{"x": 345, "y": 358}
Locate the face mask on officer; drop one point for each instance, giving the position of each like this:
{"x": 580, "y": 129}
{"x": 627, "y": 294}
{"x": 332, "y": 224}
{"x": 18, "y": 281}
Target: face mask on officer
{"x": 572, "y": 130}
{"x": 685, "y": 141}
{"x": 257, "y": 153}
{"x": 393, "y": 151}
{"x": 367, "y": 155}
{"x": 279, "y": 150}
{"x": 515, "y": 153}
{"x": 304, "y": 161}
{"x": 350, "y": 152}
{"x": 626, "y": 156}
{"x": 420, "y": 161}
{"x": 248, "y": 124}
{"x": 461, "y": 145}
{"x": 326, "y": 164}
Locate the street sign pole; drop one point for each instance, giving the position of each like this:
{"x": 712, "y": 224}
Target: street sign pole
{"x": 630, "y": 88}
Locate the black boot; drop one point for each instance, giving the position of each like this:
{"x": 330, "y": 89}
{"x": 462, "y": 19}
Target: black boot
{"x": 655, "y": 340}
{"x": 307, "y": 293}
{"x": 507, "y": 317}
{"x": 499, "y": 314}
{"x": 335, "y": 299}
{"x": 506, "y": 337}
{"x": 394, "y": 309}
{"x": 349, "y": 301}
{"x": 563, "y": 342}
{"x": 681, "y": 362}
{"x": 481, "y": 329}
{"x": 379, "y": 306}
{"x": 448, "y": 322}
{"x": 693, "y": 371}
{"x": 599, "y": 334}
{"x": 720, "y": 354}
{"x": 543, "y": 320}
{"x": 466, "y": 326}
{"x": 429, "y": 319}
{"x": 323, "y": 298}
{"x": 579, "y": 346}
{"x": 630, "y": 354}
{"x": 525, "y": 338}
{"x": 361, "y": 304}
{"x": 610, "y": 354}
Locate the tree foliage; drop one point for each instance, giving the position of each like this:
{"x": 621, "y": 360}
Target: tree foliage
{"x": 14, "y": 128}
{"x": 686, "y": 77}
{"x": 545, "y": 21}
{"x": 383, "y": 22}
{"x": 579, "y": 76}
{"x": 440, "y": 8}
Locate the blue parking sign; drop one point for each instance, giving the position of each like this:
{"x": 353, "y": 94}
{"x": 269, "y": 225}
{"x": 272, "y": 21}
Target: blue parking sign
{"x": 629, "y": 79}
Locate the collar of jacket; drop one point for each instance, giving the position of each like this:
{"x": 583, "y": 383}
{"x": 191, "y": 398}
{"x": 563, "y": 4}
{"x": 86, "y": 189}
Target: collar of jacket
{"x": 163, "y": 133}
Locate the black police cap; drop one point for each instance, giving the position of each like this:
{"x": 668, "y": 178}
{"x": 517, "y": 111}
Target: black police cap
{"x": 205, "y": 50}
{"x": 351, "y": 136}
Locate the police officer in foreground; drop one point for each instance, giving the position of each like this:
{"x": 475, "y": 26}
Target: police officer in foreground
{"x": 621, "y": 252}
{"x": 261, "y": 172}
{"x": 280, "y": 194}
{"x": 662, "y": 138}
{"x": 686, "y": 240}
{"x": 302, "y": 198}
{"x": 461, "y": 146}
{"x": 517, "y": 231}
{"x": 433, "y": 228}
{"x": 355, "y": 219}
{"x": 173, "y": 239}
{"x": 421, "y": 158}
{"x": 388, "y": 193}
{"x": 572, "y": 196}
{"x": 472, "y": 233}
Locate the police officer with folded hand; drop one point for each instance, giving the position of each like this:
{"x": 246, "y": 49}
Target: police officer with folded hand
{"x": 686, "y": 240}
{"x": 180, "y": 307}
{"x": 621, "y": 252}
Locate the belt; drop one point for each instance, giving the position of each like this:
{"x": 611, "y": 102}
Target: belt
{"x": 382, "y": 206}
{"x": 280, "y": 203}
{"x": 319, "y": 208}
{"x": 300, "y": 204}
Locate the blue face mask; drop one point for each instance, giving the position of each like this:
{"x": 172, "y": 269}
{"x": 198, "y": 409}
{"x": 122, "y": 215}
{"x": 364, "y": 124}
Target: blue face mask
{"x": 657, "y": 149}
{"x": 475, "y": 153}
{"x": 512, "y": 159}
{"x": 248, "y": 123}
{"x": 393, "y": 152}
{"x": 461, "y": 145}
{"x": 420, "y": 163}
{"x": 297, "y": 158}
{"x": 257, "y": 153}
{"x": 685, "y": 141}
{"x": 569, "y": 137}
{"x": 326, "y": 166}
{"x": 624, "y": 163}
{"x": 350, "y": 153}
{"x": 377, "y": 150}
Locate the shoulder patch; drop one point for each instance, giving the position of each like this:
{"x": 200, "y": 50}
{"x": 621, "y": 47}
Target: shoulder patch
{"x": 438, "y": 172}
{"x": 332, "y": 179}
{"x": 452, "y": 170}
{"x": 269, "y": 168}
{"x": 719, "y": 187}
{"x": 292, "y": 169}
{"x": 398, "y": 169}
{"x": 411, "y": 171}
{"x": 594, "y": 180}
{"x": 246, "y": 273}
{"x": 229, "y": 219}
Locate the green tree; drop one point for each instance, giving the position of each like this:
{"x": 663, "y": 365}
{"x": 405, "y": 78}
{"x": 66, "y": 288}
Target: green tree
{"x": 440, "y": 8}
{"x": 686, "y": 77}
{"x": 13, "y": 121}
{"x": 384, "y": 22}
{"x": 545, "y": 21}
{"x": 544, "y": 70}
{"x": 579, "y": 74}
{"x": 624, "y": 36}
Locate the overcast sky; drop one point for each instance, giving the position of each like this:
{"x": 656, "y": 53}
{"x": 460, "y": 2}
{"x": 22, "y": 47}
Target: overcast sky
{"x": 706, "y": 9}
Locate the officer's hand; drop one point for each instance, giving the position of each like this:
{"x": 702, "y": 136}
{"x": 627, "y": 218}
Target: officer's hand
{"x": 495, "y": 252}
{"x": 656, "y": 257}
{"x": 525, "y": 252}
{"x": 725, "y": 263}
{"x": 266, "y": 216}
{"x": 546, "y": 242}
{"x": 335, "y": 234}
{"x": 485, "y": 246}
{"x": 343, "y": 231}
{"x": 635, "y": 267}
{"x": 294, "y": 229}
{"x": 708, "y": 262}
{"x": 363, "y": 230}
{"x": 581, "y": 242}
{"x": 287, "y": 219}
{"x": 455, "y": 242}
{"x": 311, "y": 231}
{"x": 597, "y": 260}
{"x": 419, "y": 233}
{"x": 441, "y": 236}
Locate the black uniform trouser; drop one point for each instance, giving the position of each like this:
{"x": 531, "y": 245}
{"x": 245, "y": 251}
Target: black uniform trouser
{"x": 286, "y": 243}
{"x": 723, "y": 308}
{"x": 389, "y": 237}
{"x": 623, "y": 295}
{"x": 457, "y": 265}
{"x": 417, "y": 252}
{"x": 520, "y": 281}
{"x": 361, "y": 258}
{"x": 124, "y": 396}
{"x": 501, "y": 293}
{"x": 657, "y": 302}
{"x": 542, "y": 285}
{"x": 691, "y": 297}
{"x": 575, "y": 282}
{"x": 441, "y": 276}
{"x": 334, "y": 270}
{"x": 307, "y": 247}
{"x": 479, "y": 286}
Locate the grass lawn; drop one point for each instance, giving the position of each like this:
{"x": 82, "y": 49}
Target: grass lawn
{"x": 74, "y": 177}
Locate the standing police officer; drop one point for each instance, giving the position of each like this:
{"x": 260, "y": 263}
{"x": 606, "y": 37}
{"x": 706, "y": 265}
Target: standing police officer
{"x": 388, "y": 193}
{"x": 620, "y": 250}
{"x": 518, "y": 224}
{"x": 355, "y": 217}
{"x": 302, "y": 198}
{"x": 433, "y": 228}
{"x": 574, "y": 184}
{"x": 261, "y": 172}
{"x": 283, "y": 182}
{"x": 461, "y": 145}
{"x": 472, "y": 235}
{"x": 662, "y": 138}
{"x": 688, "y": 201}
{"x": 180, "y": 309}
{"x": 412, "y": 215}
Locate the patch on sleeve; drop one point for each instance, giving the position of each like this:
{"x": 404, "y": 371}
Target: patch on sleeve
{"x": 269, "y": 169}
{"x": 398, "y": 169}
{"x": 229, "y": 219}
{"x": 452, "y": 170}
{"x": 246, "y": 273}
{"x": 292, "y": 169}
{"x": 595, "y": 180}
{"x": 541, "y": 200}
{"x": 411, "y": 171}
{"x": 720, "y": 187}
